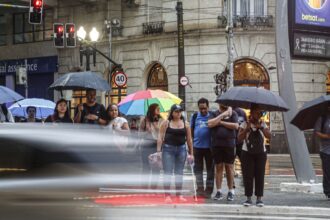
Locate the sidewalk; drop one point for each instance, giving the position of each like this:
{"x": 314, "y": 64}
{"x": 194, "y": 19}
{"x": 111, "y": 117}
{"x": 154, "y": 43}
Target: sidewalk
{"x": 281, "y": 170}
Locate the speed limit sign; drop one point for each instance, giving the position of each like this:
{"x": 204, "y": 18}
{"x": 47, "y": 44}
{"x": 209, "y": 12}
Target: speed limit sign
{"x": 120, "y": 79}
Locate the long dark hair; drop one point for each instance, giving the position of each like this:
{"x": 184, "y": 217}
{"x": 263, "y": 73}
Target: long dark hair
{"x": 67, "y": 112}
{"x": 109, "y": 108}
{"x": 151, "y": 113}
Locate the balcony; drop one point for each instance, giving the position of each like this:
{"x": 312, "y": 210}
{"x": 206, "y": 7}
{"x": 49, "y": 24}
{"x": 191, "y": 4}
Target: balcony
{"x": 247, "y": 22}
{"x": 153, "y": 27}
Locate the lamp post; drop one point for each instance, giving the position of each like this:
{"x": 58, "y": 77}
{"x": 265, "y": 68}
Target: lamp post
{"x": 87, "y": 51}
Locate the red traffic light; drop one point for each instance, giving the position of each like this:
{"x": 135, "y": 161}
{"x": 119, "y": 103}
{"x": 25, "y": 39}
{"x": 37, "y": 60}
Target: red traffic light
{"x": 37, "y": 4}
{"x": 71, "y": 30}
{"x": 60, "y": 29}
{"x": 35, "y": 11}
{"x": 70, "y": 35}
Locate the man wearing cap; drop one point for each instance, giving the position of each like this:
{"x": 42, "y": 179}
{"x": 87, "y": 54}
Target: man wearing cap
{"x": 223, "y": 142}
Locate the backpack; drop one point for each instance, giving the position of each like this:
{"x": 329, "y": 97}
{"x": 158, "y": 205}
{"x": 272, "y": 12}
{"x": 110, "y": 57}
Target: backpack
{"x": 255, "y": 142}
{"x": 193, "y": 122}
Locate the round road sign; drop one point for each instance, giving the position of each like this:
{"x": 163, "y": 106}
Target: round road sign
{"x": 120, "y": 79}
{"x": 184, "y": 81}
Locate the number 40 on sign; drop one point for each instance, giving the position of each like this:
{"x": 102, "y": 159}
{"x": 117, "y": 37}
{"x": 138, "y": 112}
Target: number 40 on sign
{"x": 120, "y": 79}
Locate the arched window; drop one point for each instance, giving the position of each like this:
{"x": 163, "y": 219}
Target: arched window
{"x": 248, "y": 72}
{"x": 157, "y": 78}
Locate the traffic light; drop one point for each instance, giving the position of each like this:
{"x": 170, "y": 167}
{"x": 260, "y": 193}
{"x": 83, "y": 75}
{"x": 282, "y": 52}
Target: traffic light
{"x": 70, "y": 35}
{"x": 35, "y": 12}
{"x": 58, "y": 35}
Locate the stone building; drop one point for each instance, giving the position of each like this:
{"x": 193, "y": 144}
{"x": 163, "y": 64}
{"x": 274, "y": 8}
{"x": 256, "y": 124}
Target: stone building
{"x": 144, "y": 41}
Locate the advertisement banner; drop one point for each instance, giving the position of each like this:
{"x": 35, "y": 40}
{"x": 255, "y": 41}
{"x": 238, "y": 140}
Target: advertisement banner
{"x": 313, "y": 12}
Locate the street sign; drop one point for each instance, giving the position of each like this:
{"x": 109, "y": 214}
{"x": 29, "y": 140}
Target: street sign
{"x": 184, "y": 81}
{"x": 311, "y": 45}
{"x": 120, "y": 79}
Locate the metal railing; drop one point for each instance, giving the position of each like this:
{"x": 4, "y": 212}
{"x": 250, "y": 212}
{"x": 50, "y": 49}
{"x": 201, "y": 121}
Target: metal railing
{"x": 247, "y": 22}
{"x": 153, "y": 27}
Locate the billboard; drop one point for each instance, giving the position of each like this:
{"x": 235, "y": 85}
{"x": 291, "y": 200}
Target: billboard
{"x": 312, "y": 12}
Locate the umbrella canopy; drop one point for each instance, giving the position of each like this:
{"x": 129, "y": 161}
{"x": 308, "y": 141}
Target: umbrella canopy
{"x": 8, "y": 95}
{"x": 310, "y": 112}
{"x": 80, "y": 81}
{"x": 44, "y": 107}
{"x": 244, "y": 97}
{"x": 138, "y": 102}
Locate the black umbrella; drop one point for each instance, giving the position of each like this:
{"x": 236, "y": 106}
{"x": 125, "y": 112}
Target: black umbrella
{"x": 80, "y": 81}
{"x": 310, "y": 112}
{"x": 244, "y": 97}
{"x": 8, "y": 95}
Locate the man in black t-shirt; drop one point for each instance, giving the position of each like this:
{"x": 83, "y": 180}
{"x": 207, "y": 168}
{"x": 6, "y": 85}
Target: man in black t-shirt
{"x": 223, "y": 143}
{"x": 90, "y": 112}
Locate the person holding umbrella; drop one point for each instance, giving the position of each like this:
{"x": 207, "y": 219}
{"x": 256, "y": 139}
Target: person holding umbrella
{"x": 322, "y": 130}
{"x": 173, "y": 135}
{"x": 61, "y": 113}
{"x": 254, "y": 155}
{"x": 90, "y": 112}
{"x": 5, "y": 115}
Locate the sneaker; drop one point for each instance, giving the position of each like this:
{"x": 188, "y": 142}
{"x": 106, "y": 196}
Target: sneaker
{"x": 230, "y": 196}
{"x": 259, "y": 203}
{"x": 168, "y": 199}
{"x": 218, "y": 196}
{"x": 248, "y": 203}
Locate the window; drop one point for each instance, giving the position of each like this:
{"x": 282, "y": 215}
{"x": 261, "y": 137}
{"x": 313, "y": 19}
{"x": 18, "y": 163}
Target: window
{"x": 243, "y": 8}
{"x": 3, "y": 34}
{"x": 27, "y": 33}
{"x": 157, "y": 78}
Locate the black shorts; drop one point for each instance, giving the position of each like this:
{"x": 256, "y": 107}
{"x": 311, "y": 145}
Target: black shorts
{"x": 223, "y": 155}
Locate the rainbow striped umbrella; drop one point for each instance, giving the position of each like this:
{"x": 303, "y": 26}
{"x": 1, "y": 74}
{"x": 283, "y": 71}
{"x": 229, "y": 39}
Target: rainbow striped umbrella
{"x": 138, "y": 102}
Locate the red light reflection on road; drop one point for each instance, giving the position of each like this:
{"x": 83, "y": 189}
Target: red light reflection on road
{"x": 145, "y": 200}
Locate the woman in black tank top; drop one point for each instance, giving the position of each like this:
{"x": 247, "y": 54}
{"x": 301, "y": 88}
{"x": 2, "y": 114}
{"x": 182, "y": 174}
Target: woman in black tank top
{"x": 173, "y": 135}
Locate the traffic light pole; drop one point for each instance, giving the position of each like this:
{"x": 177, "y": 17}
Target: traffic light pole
{"x": 181, "y": 60}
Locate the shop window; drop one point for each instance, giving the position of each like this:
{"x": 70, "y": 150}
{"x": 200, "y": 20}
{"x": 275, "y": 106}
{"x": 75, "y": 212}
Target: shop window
{"x": 78, "y": 96}
{"x": 27, "y": 33}
{"x": 157, "y": 78}
{"x": 328, "y": 83}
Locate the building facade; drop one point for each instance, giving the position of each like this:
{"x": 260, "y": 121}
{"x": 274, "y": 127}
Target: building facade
{"x": 144, "y": 41}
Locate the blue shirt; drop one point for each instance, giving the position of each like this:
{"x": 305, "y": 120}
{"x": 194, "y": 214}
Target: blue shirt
{"x": 202, "y": 134}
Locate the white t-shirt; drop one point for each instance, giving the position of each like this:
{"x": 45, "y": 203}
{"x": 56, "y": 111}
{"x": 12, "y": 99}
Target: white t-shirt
{"x": 117, "y": 123}
{"x": 253, "y": 127}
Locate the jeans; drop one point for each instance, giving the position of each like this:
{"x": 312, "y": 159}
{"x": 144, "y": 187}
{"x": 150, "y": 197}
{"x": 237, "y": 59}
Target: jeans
{"x": 152, "y": 173}
{"x": 326, "y": 172}
{"x": 253, "y": 167}
{"x": 174, "y": 158}
{"x": 200, "y": 155}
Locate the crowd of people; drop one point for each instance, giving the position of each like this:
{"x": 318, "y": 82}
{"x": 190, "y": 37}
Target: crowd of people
{"x": 213, "y": 139}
